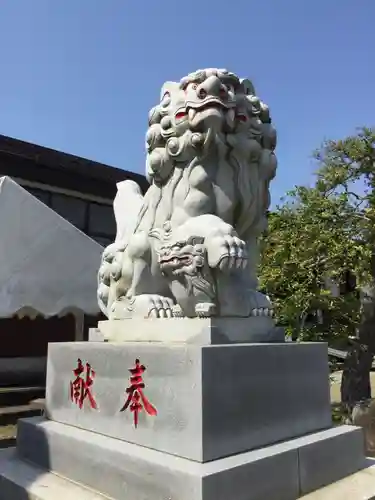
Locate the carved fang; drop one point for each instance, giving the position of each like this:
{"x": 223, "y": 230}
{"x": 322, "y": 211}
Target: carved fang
{"x": 192, "y": 113}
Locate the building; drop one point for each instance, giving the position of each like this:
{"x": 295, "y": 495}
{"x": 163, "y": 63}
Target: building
{"x": 80, "y": 190}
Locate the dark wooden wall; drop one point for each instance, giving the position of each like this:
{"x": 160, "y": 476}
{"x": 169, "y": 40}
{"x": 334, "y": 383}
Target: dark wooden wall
{"x": 30, "y": 337}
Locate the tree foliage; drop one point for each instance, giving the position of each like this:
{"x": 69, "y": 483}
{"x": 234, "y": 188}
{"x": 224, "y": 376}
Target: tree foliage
{"x": 346, "y": 165}
{"x": 316, "y": 236}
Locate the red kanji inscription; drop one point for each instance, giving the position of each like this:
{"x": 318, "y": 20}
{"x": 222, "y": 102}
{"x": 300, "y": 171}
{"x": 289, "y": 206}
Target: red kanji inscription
{"x": 137, "y": 400}
{"x": 81, "y": 387}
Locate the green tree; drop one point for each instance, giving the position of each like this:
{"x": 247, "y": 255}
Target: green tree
{"x": 319, "y": 234}
{"x": 311, "y": 243}
{"x": 348, "y": 166}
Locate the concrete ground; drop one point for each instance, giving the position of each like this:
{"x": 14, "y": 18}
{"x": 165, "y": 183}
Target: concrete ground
{"x": 359, "y": 486}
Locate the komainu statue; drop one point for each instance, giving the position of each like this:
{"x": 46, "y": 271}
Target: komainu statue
{"x": 188, "y": 248}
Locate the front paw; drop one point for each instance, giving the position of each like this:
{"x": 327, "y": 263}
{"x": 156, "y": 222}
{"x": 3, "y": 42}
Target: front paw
{"x": 142, "y": 306}
{"x": 227, "y": 252}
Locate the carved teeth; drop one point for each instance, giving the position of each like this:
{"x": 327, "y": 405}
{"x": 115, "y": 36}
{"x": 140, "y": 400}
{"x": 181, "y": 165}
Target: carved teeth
{"x": 192, "y": 113}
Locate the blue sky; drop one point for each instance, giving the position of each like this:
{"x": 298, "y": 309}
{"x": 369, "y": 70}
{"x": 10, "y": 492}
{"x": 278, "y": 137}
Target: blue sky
{"x": 81, "y": 75}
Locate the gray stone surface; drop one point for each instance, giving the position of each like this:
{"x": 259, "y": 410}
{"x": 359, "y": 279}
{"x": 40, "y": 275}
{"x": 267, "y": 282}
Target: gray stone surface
{"x": 212, "y": 401}
{"x": 95, "y": 335}
{"x": 199, "y": 331}
{"x": 126, "y": 471}
{"x": 338, "y": 456}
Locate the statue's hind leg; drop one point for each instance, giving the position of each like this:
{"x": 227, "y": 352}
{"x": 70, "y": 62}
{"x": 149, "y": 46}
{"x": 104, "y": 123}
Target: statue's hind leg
{"x": 148, "y": 294}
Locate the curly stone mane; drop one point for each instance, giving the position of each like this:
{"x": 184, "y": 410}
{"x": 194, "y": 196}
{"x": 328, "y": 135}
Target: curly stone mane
{"x": 248, "y": 143}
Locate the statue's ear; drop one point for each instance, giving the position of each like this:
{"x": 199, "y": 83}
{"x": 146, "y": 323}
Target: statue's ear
{"x": 247, "y": 86}
{"x": 170, "y": 87}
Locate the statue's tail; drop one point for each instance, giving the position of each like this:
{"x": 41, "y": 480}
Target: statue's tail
{"x": 127, "y": 207}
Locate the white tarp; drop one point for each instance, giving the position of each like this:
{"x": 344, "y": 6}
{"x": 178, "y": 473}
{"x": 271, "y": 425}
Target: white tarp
{"x": 46, "y": 264}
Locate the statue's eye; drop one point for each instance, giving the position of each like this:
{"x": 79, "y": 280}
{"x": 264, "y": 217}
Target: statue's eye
{"x": 190, "y": 86}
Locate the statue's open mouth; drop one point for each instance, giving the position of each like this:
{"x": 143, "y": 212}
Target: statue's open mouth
{"x": 193, "y": 108}
{"x": 176, "y": 261}
{"x": 209, "y": 102}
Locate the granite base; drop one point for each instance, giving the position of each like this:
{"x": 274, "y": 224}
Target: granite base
{"x": 125, "y": 471}
{"x": 211, "y": 401}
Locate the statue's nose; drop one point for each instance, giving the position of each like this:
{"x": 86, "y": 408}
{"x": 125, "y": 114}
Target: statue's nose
{"x": 211, "y": 86}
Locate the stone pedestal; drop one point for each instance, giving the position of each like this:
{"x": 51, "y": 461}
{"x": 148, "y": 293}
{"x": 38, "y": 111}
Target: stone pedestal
{"x": 221, "y": 420}
{"x": 202, "y": 331}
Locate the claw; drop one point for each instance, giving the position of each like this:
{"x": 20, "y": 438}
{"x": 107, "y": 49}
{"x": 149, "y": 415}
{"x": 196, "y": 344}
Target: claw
{"x": 162, "y": 313}
{"x": 153, "y": 313}
{"x": 205, "y": 310}
{"x": 177, "y": 312}
{"x": 230, "y": 251}
{"x": 262, "y": 311}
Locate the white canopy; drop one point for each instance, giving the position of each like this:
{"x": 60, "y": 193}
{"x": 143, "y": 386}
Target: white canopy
{"x": 46, "y": 264}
